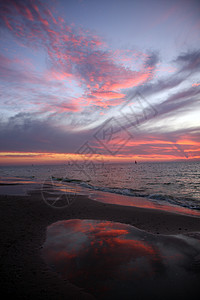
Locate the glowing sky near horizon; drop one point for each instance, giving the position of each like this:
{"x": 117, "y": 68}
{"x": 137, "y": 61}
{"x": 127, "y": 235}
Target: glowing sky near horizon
{"x": 120, "y": 76}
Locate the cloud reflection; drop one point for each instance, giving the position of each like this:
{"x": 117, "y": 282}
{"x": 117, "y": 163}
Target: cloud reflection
{"x": 109, "y": 258}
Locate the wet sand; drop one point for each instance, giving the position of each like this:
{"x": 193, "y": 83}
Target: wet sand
{"x": 24, "y": 220}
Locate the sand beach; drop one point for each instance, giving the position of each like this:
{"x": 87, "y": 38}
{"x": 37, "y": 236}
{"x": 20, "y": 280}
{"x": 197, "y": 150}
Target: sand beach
{"x": 24, "y": 221}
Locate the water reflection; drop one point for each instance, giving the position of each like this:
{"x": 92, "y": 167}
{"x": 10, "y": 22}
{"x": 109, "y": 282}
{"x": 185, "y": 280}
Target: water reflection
{"x": 141, "y": 202}
{"x": 17, "y": 186}
{"x": 113, "y": 260}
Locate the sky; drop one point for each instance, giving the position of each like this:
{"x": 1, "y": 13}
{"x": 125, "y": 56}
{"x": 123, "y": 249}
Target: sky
{"x": 115, "y": 80}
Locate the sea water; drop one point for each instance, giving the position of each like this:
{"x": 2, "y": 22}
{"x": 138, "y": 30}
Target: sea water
{"x": 176, "y": 183}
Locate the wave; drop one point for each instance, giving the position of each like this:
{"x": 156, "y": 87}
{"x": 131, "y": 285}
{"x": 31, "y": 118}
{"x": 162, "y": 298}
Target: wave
{"x": 159, "y": 198}
{"x": 67, "y": 179}
{"x": 184, "y": 202}
{"x": 180, "y": 201}
{"x": 121, "y": 191}
{"x": 25, "y": 177}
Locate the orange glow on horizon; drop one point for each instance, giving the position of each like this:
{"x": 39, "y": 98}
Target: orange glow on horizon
{"x": 23, "y": 158}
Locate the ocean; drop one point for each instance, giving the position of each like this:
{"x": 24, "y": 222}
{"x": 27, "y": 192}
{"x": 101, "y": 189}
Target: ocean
{"x": 169, "y": 183}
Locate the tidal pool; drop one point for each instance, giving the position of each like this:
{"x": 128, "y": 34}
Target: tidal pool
{"x": 117, "y": 261}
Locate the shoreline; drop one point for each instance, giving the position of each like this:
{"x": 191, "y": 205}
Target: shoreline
{"x": 23, "y": 188}
{"x": 24, "y": 220}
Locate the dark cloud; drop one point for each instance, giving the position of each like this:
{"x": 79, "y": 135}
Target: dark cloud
{"x": 189, "y": 61}
{"x": 152, "y": 60}
{"x": 25, "y": 132}
{"x": 165, "y": 84}
{"x": 182, "y": 101}
{"x": 140, "y": 111}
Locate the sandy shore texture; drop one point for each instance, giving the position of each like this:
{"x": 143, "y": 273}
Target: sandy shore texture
{"x": 24, "y": 220}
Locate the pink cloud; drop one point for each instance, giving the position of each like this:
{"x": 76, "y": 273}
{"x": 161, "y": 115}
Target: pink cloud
{"x": 130, "y": 79}
{"x": 29, "y": 14}
{"x": 107, "y": 94}
{"x": 107, "y": 103}
{"x": 7, "y": 23}
{"x": 59, "y": 105}
{"x": 60, "y": 76}
{"x": 75, "y": 53}
{"x": 195, "y": 84}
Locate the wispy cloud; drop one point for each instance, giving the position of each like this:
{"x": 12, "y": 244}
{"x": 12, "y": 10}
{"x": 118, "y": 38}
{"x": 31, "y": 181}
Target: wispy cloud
{"x": 189, "y": 61}
{"x": 81, "y": 79}
{"x": 72, "y": 52}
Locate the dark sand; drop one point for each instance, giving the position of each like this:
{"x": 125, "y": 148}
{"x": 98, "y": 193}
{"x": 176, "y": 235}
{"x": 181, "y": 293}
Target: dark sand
{"x": 24, "y": 219}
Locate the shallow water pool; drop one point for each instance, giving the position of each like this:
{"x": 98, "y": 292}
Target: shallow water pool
{"x": 113, "y": 260}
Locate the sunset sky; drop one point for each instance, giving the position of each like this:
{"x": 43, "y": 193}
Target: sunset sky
{"x": 117, "y": 80}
